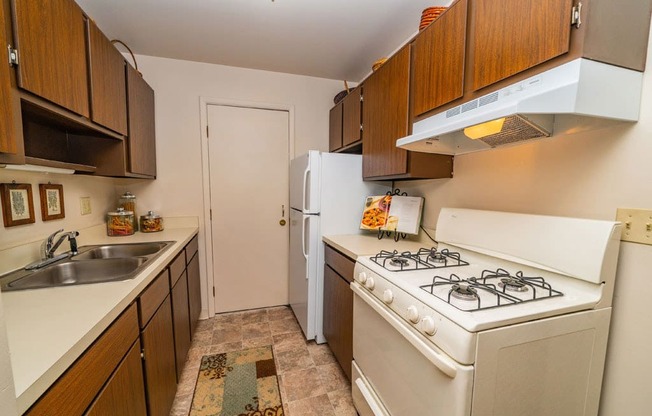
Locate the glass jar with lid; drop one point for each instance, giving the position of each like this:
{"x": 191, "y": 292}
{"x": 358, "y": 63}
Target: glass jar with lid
{"x": 151, "y": 223}
{"x": 120, "y": 222}
{"x": 127, "y": 201}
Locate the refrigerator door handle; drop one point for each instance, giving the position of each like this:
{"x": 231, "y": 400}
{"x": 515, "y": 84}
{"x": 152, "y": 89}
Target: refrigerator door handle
{"x": 305, "y": 187}
{"x": 306, "y": 218}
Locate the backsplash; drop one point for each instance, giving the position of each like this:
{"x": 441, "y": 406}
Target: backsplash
{"x": 103, "y": 194}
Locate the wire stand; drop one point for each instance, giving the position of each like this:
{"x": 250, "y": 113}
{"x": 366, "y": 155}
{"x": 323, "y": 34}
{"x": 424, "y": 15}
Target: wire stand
{"x": 388, "y": 233}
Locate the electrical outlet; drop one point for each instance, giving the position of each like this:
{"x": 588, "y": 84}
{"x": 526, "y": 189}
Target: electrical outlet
{"x": 85, "y": 205}
{"x": 637, "y": 225}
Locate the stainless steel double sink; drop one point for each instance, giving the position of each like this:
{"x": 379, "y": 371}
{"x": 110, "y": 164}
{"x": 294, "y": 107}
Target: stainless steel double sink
{"x": 93, "y": 264}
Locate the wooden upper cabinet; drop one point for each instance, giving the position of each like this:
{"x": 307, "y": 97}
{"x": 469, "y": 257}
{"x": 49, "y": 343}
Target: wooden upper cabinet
{"x": 51, "y": 41}
{"x": 385, "y": 117}
{"x": 108, "y": 84}
{"x": 142, "y": 135}
{"x": 335, "y": 127}
{"x": 438, "y": 61}
{"x": 352, "y": 117}
{"x": 510, "y": 36}
{"x": 7, "y": 131}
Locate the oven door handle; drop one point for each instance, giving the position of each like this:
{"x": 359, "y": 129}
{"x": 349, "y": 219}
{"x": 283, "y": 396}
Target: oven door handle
{"x": 443, "y": 363}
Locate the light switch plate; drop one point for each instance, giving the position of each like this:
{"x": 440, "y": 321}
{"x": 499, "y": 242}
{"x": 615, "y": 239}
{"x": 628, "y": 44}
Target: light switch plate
{"x": 637, "y": 225}
{"x": 85, "y": 205}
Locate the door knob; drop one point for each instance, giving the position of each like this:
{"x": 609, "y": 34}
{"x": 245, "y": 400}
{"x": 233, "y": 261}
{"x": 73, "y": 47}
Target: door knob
{"x": 282, "y": 222}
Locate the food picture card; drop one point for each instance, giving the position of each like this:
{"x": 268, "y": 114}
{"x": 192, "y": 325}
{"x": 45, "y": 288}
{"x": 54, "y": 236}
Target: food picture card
{"x": 392, "y": 213}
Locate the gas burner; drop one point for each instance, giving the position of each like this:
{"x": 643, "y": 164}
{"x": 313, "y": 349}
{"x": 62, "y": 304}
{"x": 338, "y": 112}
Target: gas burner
{"x": 437, "y": 257}
{"x": 463, "y": 291}
{"x": 399, "y": 261}
{"x": 512, "y": 284}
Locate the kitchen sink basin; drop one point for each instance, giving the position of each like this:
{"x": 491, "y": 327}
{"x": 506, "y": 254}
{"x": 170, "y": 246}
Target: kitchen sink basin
{"x": 112, "y": 251}
{"x": 93, "y": 264}
{"x": 79, "y": 272}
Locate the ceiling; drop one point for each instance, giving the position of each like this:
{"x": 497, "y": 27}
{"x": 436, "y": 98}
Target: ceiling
{"x": 336, "y": 39}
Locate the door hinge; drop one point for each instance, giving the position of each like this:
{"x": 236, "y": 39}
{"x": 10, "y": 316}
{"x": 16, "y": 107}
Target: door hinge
{"x": 576, "y": 15}
{"x": 213, "y": 291}
{"x": 13, "y": 55}
{"x": 142, "y": 355}
{"x": 361, "y": 127}
{"x": 206, "y": 131}
{"x": 210, "y": 214}
{"x": 361, "y": 98}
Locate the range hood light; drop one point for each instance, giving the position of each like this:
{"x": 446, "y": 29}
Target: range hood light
{"x": 484, "y": 129}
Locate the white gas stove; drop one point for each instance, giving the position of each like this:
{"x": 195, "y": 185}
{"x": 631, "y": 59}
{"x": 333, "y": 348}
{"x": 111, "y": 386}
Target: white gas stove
{"x": 498, "y": 287}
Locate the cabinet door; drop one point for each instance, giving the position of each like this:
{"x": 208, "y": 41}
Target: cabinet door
{"x": 124, "y": 393}
{"x": 351, "y": 132}
{"x": 438, "y": 61}
{"x": 338, "y": 318}
{"x": 51, "y": 39}
{"x": 194, "y": 292}
{"x": 142, "y": 136}
{"x": 160, "y": 369}
{"x": 385, "y": 117}
{"x": 510, "y": 36}
{"x": 108, "y": 84}
{"x": 7, "y": 134}
{"x": 181, "y": 316}
{"x": 335, "y": 127}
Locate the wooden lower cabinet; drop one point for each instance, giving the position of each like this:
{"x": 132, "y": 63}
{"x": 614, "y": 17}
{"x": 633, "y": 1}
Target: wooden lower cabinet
{"x": 124, "y": 393}
{"x": 181, "y": 317}
{"x": 159, "y": 361}
{"x": 338, "y": 309}
{"x": 194, "y": 292}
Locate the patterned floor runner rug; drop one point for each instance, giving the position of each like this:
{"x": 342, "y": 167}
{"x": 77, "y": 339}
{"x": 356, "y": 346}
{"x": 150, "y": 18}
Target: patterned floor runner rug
{"x": 239, "y": 383}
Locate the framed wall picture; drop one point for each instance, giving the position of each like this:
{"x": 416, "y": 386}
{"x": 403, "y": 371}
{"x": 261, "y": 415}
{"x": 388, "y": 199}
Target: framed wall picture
{"x": 52, "y": 207}
{"x": 17, "y": 204}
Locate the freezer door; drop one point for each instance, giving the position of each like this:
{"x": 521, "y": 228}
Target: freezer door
{"x": 304, "y": 238}
{"x": 304, "y": 182}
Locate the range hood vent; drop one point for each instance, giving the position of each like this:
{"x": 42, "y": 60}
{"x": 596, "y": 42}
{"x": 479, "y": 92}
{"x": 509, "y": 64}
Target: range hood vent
{"x": 562, "y": 100}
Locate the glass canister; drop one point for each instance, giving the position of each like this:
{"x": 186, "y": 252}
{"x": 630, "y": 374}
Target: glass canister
{"x": 120, "y": 222}
{"x": 151, "y": 223}
{"x": 128, "y": 202}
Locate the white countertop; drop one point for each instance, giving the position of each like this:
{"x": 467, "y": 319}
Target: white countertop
{"x": 48, "y": 329}
{"x": 354, "y": 245}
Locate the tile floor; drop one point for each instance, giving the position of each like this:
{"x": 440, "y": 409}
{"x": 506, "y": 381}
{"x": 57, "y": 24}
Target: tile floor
{"x": 311, "y": 381}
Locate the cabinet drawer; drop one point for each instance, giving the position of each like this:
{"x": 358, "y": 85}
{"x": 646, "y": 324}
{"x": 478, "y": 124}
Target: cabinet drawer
{"x": 340, "y": 263}
{"x": 76, "y": 389}
{"x": 152, "y": 297}
{"x": 177, "y": 267}
{"x": 191, "y": 249}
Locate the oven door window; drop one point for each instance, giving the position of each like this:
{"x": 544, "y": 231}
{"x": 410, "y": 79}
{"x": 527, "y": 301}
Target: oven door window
{"x": 406, "y": 382}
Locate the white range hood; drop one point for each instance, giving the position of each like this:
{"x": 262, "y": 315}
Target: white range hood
{"x": 569, "y": 98}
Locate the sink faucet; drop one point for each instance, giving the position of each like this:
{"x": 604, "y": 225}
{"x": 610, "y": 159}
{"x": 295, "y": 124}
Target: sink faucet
{"x": 49, "y": 247}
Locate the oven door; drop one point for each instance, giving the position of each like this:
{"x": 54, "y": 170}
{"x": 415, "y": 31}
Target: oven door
{"x": 398, "y": 371}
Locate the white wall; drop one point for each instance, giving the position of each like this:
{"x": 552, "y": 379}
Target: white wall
{"x": 179, "y": 86}
{"x": 585, "y": 175}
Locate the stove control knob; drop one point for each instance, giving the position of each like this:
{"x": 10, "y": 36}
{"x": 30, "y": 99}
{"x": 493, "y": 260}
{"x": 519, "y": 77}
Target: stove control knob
{"x": 388, "y": 296}
{"x": 428, "y": 325}
{"x": 362, "y": 277}
{"x": 413, "y": 314}
{"x": 370, "y": 284}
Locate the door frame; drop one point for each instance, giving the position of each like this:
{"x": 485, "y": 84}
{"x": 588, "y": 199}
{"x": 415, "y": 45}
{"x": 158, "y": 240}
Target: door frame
{"x": 204, "y": 102}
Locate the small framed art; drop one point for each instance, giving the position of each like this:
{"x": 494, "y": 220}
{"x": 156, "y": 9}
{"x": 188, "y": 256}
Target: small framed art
{"x": 17, "y": 204}
{"x": 52, "y": 207}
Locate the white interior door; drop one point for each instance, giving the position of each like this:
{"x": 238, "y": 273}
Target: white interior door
{"x": 249, "y": 156}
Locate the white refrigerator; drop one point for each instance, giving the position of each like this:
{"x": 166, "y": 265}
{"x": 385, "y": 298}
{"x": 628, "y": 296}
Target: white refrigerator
{"x": 327, "y": 196}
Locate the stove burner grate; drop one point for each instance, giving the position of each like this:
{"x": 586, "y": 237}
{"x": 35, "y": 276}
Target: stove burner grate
{"x": 470, "y": 289}
{"x": 425, "y": 258}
